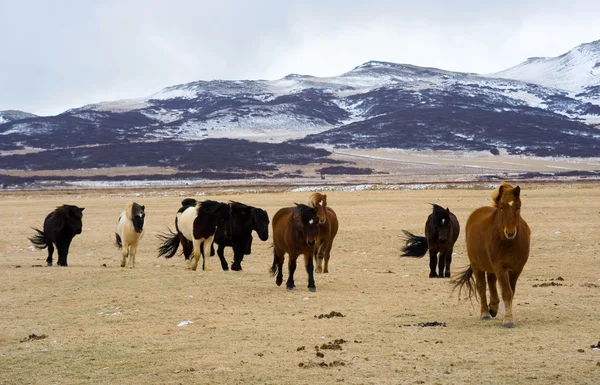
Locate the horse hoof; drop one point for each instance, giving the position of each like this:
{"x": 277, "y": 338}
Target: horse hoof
{"x": 225, "y": 268}
{"x": 508, "y": 324}
{"x": 290, "y": 287}
{"x": 312, "y": 289}
{"x": 493, "y": 312}
{"x": 49, "y": 263}
{"x": 447, "y": 275}
{"x": 486, "y": 317}
{"x": 432, "y": 275}
{"x": 235, "y": 267}
{"x": 122, "y": 265}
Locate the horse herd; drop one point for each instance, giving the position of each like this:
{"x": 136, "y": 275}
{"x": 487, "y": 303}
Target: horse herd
{"x": 497, "y": 240}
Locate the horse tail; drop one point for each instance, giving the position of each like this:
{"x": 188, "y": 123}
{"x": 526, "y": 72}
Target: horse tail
{"x": 170, "y": 244}
{"x": 38, "y": 240}
{"x": 465, "y": 279}
{"x": 118, "y": 241}
{"x": 416, "y": 246}
{"x": 275, "y": 268}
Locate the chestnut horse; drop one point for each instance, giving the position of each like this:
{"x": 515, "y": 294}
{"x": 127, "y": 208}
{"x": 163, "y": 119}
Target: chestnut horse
{"x": 498, "y": 246}
{"x": 295, "y": 230}
{"x": 328, "y": 228}
{"x": 441, "y": 233}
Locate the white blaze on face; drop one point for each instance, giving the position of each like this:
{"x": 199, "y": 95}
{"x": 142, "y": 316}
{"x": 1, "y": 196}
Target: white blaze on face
{"x": 311, "y": 222}
{"x": 443, "y": 221}
{"x": 511, "y": 203}
{"x": 320, "y": 203}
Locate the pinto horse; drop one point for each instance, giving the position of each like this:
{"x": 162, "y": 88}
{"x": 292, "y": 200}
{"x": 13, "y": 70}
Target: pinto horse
{"x": 60, "y": 227}
{"x": 195, "y": 223}
{"x": 244, "y": 219}
{"x": 295, "y": 230}
{"x": 441, "y": 233}
{"x": 328, "y": 228}
{"x": 498, "y": 241}
{"x": 130, "y": 230}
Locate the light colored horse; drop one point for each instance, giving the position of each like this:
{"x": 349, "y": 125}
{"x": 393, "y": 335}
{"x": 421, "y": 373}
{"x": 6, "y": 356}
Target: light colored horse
{"x": 130, "y": 230}
{"x": 328, "y": 228}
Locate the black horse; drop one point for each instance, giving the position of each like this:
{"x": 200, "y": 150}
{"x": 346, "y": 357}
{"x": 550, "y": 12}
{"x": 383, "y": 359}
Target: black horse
{"x": 441, "y": 233}
{"x": 244, "y": 219}
{"x": 60, "y": 226}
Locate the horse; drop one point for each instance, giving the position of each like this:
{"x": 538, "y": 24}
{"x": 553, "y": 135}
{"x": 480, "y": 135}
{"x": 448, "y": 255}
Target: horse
{"x": 244, "y": 219}
{"x": 441, "y": 232}
{"x": 130, "y": 230}
{"x": 195, "y": 223}
{"x": 60, "y": 226}
{"x": 295, "y": 231}
{"x": 498, "y": 242}
{"x": 328, "y": 228}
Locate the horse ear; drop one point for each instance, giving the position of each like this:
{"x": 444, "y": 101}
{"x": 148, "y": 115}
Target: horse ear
{"x": 499, "y": 196}
{"x": 447, "y": 211}
{"x": 81, "y": 209}
{"x": 143, "y": 207}
{"x": 517, "y": 192}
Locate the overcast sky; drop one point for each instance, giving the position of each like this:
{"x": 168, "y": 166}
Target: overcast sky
{"x": 56, "y": 55}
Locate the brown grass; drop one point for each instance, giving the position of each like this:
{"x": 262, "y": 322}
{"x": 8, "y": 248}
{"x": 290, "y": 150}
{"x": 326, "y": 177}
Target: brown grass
{"x": 111, "y": 325}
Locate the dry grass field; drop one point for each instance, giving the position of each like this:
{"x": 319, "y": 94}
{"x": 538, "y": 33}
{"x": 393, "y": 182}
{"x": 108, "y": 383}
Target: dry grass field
{"x": 101, "y": 323}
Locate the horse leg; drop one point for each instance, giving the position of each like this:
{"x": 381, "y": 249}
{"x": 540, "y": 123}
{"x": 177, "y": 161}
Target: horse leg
{"x": 124, "y": 253}
{"x": 448, "y": 257}
{"x": 326, "y": 257}
{"x": 278, "y": 257}
{"x": 308, "y": 262}
{"x": 239, "y": 249}
{"x": 494, "y": 299}
{"x": 442, "y": 263}
{"x": 319, "y": 258}
{"x": 432, "y": 263}
{"x": 63, "y": 250}
{"x": 50, "y": 252}
{"x": 187, "y": 249}
{"x": 480, "y": 284}
{"x": 207, "y": 243}
{"x": 507, "y": 296}
{"x": 196, "y": 253}
{"x": 292, "y": 268}
{"x": 221, "y": 254}
{"x": 132, "y": 251}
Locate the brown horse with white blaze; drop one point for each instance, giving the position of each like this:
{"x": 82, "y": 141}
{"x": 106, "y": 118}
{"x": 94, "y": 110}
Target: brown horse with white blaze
{"x": 498, "y": 241}
{"x": 295, "y": 230}
{"x": 328, "y": 228}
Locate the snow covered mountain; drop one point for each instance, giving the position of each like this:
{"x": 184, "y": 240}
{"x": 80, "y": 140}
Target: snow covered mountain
{"x": 12, "y": 115}
{"x": 577, "y": 71}
{"x": 375, "y": 105}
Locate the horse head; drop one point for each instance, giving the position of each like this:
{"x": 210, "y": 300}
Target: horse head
{"x": 508, "y": 214}
{"x": 318, "y": 202}
{"x": 137, "y": 216}
{"x": 73, "y": 217}
{"x": 306, "y": 222}
{"x": 440, "y": 223}
{"x": 260, "y": 223}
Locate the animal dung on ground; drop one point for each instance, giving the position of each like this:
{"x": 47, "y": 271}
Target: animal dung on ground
{"x": 330, "y": 315}
{"x": 34, "y": 337}
{"x": 184, "y": 323}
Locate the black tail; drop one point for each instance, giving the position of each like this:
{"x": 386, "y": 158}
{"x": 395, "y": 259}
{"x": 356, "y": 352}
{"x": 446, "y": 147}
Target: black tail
{"x": 118, "y": 241}
{"x": 275, "y": 268}
{"x": 170, "y": 244}
{"x": 416, "y": 246}
{"x": 38, "y": 239}
{"x": 465, "y": 279}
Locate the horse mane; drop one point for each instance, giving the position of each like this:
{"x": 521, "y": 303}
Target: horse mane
{"x": 61, "y": 215}
{"x": 438, "y": 211}
{"x": 211, "y": 207}
{"x": 186, "y": 203}
{"x": 316, "y": 197}
{"x": 503, "y": 194}
{"x": 237, "y": 206}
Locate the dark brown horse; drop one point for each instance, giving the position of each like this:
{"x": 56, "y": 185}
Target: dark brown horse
{"x": 295, "y": 230}
{"x": 60, "y": 226}
{"x": 441, "y": 233}
{"x": 328, "y": 228}
{"x": 498, "y": 246}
